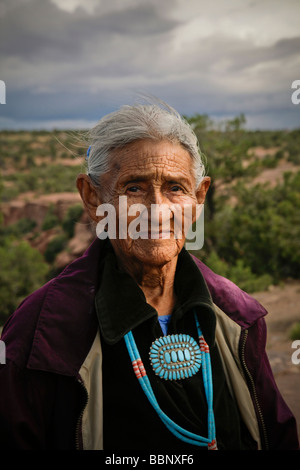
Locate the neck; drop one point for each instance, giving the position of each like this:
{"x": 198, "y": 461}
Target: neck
{"x": 156, "y": 282}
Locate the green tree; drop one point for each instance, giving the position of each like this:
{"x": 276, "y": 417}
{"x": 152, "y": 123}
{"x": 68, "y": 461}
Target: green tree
{"x": 262, "y": 228}
{"x": 226, "y": 150}
{"x": 55, "y": 246}
{"x": 22, "y": 270}
{"x": 51, "y": 219}
{"x": 72, "y": 216}
{"x": 1, "y": 191}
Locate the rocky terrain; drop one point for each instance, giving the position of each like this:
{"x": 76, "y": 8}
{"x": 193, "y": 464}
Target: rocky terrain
{"x": 36, "y": 208}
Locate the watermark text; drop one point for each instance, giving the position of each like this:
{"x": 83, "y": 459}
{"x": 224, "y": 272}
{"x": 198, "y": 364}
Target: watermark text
{"x": 2, "y": 352}
{"x": 296, "y": 93}
{"x": 2, "y": 92}
{"x": 160, "y": 221}
{"x": 296, "y": 354}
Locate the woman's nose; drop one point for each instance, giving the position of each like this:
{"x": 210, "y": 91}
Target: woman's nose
{"x": 156, "y": 197}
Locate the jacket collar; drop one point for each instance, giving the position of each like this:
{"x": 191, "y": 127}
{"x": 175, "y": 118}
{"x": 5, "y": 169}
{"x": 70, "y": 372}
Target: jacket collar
{"x": 121, "y": 304}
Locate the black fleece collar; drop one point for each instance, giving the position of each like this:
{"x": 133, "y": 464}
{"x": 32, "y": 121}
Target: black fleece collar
{"x": 121, "y": 305}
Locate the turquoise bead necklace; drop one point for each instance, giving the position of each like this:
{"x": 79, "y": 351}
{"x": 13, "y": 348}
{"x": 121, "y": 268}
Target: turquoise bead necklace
{"x": 190, "y": 367}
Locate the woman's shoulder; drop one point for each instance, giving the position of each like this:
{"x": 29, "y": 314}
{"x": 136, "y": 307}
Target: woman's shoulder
{"x": 240, "y": 306}
{"x": 19, "y": 329}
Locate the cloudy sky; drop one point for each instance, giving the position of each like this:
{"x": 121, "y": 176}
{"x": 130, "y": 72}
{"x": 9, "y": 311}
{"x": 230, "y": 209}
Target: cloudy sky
{"x": 66, "y": 63}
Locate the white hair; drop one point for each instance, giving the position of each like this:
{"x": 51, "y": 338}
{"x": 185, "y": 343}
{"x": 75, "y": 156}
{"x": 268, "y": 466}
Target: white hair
{"x": 129, "y": 124}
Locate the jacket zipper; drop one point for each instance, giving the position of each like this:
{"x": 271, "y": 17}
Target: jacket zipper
{"x": 79, "y": 421}
{"x": 254, "y": 393}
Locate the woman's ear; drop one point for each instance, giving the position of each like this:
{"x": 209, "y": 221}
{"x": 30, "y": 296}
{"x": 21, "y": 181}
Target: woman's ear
{"x": 202, "y": 189}
{"x": 89, "y": 195}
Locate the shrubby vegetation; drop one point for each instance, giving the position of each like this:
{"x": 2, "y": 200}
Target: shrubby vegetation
{"x": 73, "y": 214}
{"x": 59, "y": 242}
{"x": 34, "y": 161}
{"x": 295, "y": 331}
{"x": 262, "y": 229}
{"x": 51, "y": 219}
{"x": 252, "y": 232}
{"x": 55, "y": 246}
{"x": 42, "y": 180}
{"x": 22, "y": 270}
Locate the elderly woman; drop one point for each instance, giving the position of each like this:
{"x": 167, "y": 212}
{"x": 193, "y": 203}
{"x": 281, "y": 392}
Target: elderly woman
{"x": 137, "y": 344}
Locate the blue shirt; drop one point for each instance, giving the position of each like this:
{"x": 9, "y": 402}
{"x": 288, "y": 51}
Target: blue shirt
{"x": 164, "y": 321}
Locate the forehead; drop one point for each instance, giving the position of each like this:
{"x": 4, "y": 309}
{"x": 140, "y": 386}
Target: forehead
{"x": 150, "y": 157}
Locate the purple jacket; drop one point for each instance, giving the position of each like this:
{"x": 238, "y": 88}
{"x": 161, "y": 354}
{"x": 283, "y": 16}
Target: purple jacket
{"x": 50, "y": 335}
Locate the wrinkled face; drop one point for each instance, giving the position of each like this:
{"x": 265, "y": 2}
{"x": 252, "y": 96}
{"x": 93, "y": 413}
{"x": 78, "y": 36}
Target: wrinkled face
{"x": 159, "y": 176}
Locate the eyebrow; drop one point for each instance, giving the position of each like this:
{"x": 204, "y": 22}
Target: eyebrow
{"x": 173, "y": 179}
{"x": 135, "y": 179}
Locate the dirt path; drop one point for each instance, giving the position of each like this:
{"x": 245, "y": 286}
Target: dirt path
{"x": 283, "y": 305}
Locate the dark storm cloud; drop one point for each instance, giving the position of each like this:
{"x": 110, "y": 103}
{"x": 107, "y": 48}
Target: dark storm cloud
{"x": 69, "y": 59}
{"x": 249, "y": 55}
{"x": 38, "y": 27}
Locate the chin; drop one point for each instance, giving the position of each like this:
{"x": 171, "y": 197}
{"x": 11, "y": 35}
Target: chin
{"x": 156, "y": 252}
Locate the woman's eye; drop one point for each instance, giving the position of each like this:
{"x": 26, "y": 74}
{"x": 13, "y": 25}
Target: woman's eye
{"x": 133, "y": 189}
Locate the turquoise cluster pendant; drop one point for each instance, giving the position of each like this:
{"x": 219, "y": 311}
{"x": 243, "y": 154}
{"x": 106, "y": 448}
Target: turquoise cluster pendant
{"x": 175, "y": 357}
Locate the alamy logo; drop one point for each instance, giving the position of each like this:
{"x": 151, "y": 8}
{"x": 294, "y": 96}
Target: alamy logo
{"x": 2, "y": 352}
{"x": 296, "y": 354}
{"x": 160, "y": 221}
{"x": 296, "y": 93}
{"x": 2, "y": 92}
